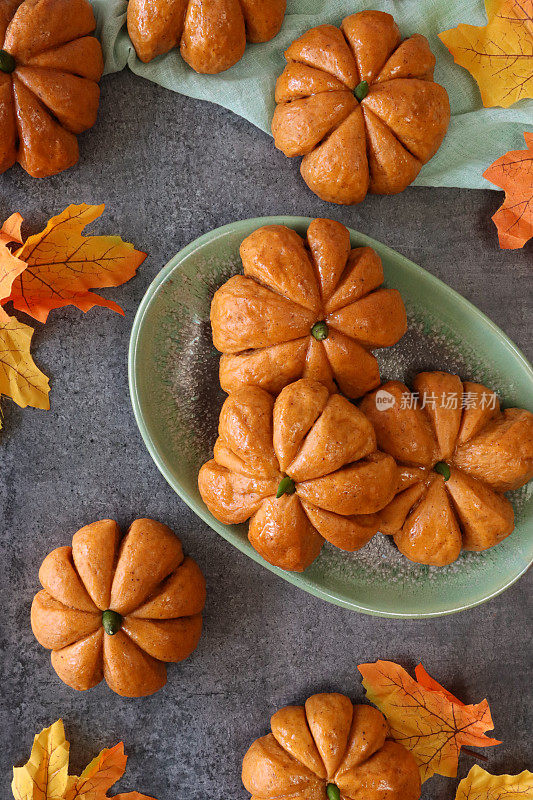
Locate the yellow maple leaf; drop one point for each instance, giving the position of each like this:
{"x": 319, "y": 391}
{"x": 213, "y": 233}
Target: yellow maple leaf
{"x": 20, "y": 378}
{"x": 425, "y": 718}
{"x": 63, "y": 265}
{"x": 10, "y": 266}
{"x": 45, "y": 775}
{"x": 481, "y": 785}
{"x": 499, "y": 55}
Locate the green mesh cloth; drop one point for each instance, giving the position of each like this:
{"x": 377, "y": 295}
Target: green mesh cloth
{"x": 476, "y": 136}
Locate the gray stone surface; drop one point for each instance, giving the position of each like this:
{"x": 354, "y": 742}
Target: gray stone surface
{"x": 170, "y": 169}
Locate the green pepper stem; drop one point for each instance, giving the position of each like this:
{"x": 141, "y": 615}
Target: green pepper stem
{"x": 286, "y": 486}
{"x": 320, "y": 330}
{"x": 443, "y": 469}
{"x": 111, "y": 621}
{"x": 333, "y": 792}
{"x": 361, "y": 90}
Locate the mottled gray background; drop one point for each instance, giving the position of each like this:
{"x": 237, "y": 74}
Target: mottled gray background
{"x": 169, "y": 169}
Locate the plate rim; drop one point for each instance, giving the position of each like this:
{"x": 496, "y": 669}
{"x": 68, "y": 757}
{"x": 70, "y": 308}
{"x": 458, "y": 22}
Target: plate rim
{"x": 201, "y": 511}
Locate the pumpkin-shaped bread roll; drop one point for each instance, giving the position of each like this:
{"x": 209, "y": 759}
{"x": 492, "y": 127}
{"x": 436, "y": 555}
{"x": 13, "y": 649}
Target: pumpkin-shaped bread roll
{"x": 361, "y": 106}
{"x": 118, "y": 608}
{"x": 50, "y": 66}
{"x": 302, "y": 469}
{"x": 305, "y": 308}
{"x": 458, "y": 453}
{"x": 330, "y": 748}
{"x": 211, "y": 34}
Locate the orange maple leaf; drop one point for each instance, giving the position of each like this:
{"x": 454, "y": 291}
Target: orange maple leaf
{"x": 100, "y": 775}
{"x": 130, "y": 796}
{"x": 513, "y": 173}
{"x": 45, "y": 776}
{"x": 481, "y": 785}
{"x": 63, "y": 265}
{"x": 10, "y": 265}
{"x": 499, "y": 55}
{"x": 428, "y": 720}
{"x": 425, "y": 680}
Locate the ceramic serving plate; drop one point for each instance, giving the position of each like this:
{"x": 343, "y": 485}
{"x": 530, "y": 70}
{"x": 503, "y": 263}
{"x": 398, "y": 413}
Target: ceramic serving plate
{"x": 173, "y": 373}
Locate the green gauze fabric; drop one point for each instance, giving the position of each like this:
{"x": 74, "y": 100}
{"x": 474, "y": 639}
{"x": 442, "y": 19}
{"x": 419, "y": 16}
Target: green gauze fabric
{"x": 476, "y": 136}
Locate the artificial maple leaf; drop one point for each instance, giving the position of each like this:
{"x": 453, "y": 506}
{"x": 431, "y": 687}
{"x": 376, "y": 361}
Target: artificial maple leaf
{"x": 481, "y": 785}
{"x": 10, "y": 265}
{"x": 425, "y": 718}
{"x": 513, "y": 173}
{"x": 45, "y": 776}
{"x": 101, "y": 774}
{"x": 425, "y": 680}
{"x": 11, "y": 230}
{"x": 63, "y": 265}
{"x": 130, "y": 796}
{"x": 499, "y": 55}
{"x": 20, "y": 378}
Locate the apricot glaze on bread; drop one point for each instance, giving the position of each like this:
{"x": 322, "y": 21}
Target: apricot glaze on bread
{"x": 302, "y": 469}
{"x": 458, "y": 453}
{"x": 211, "y": 34}
{"x": 117, "y": 608}
{"x": 361, "y": 106}
{"x": 330, "y": 748}
{"x": 50, "y": 66}
{"x": 312, "y": 308}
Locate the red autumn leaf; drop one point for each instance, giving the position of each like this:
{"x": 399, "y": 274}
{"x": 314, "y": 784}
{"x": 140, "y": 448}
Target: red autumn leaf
{"x": 513, "y": 173}
{"x": 63, "y": 265}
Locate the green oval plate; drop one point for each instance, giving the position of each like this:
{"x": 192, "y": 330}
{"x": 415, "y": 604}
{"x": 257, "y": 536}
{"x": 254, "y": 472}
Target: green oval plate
{"x": 173, "y": 374}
